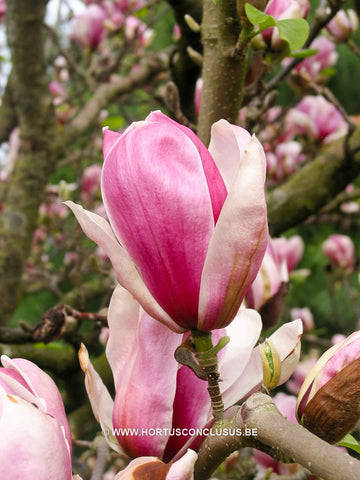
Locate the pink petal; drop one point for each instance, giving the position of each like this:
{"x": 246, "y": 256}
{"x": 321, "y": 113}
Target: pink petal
{"x": 157, "y": 199}
{"x": 183, "y": 469}
{"x": 31, "y": 444}
{"x": 138, "y": 404}
{"x": 214, "y": 177}
{"x": 227, "y": 145}
{"x": 238, "y": 243}
{"x": 99, "y": 230}
{"x": 43, "y": 387}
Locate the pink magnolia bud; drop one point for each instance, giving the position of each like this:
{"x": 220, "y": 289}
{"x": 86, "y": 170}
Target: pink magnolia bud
{"x": 343, "y": 25}
{"x": 35, "y": 439}
{"x": 284, "y": 160}
{"x": 311, "y": 68}
{"x": 317, "y": 119}
{"x": 88, "y": 27}
{"x": 2, "y": 9}
{"x": 189, "y": 240}
{"x": 268, "y": 291}
{"x": 305, "y": 316}
{"x": 328, "y": 402}
{"x": 340, "y": 250}
{"x": 289, "y": 249}
{"x": 90, "y": 181}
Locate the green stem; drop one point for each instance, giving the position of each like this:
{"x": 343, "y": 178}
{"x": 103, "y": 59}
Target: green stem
{"x": 207, "y": 357}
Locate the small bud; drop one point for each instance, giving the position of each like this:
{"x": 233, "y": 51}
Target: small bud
{"x": 192, "y": 23}
{"x": 328, "y": 403}
{"x": 195, "y": 56}
{"x": 271, "y": 365}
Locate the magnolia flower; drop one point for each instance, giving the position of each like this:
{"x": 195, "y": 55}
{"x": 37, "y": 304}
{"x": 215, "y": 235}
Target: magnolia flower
{"x": 340, "y": 250}
{"x": 305, "y": 316}
{"x": 155, "y": 396}
{"x": 328, "y": 402}
{"x": 317, "y": 119}
{"x": 268, "y": 291}
{"x": 35, "y": 439}
{"x": 89, "y": 26}
{"x": 312, "y": 68}
{"x": 188, "y": 226}
{"x": 289, "y": 249}
{"x": 284, "y": 160}
{"x": 343, "y": 25}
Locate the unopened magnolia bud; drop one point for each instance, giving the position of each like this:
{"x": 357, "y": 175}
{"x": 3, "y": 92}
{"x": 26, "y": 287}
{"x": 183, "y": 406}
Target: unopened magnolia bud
{"x": 329, "y": 400}
{"x": 192, "y": 23}
{"x": 271, "y": 365}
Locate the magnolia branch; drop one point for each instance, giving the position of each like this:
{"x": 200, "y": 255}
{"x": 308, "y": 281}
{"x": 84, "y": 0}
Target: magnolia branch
{"x": 274, "y": 435}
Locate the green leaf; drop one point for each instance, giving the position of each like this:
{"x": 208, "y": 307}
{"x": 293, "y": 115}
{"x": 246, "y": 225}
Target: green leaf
{"x": 307, "y": 52}
{"x": 349, "y": 442}
{"x": 257, "y": 17}
{"x": 294, "y": 31}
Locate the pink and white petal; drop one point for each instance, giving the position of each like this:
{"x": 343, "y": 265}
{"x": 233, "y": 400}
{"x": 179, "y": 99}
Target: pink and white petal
{"x": 227, "y": 146}
{"x": 287, "y": 338}
{"x": 183, "y": 469}
{"x": 31, "y": 445}
{"x": 238, "y": 243}
{"x": 123, "y": 319}
{"x": 43, "y": 387}
{"x": 213, "y": 176}
{"x": 249, "y": 381}
{"x": 146, "y": 388}
{"x": 158, "y": 203}
{"x": 244, "y": 332}
{"x": 110, "y": 140}
{"x": 99, "y": 230}
{"x": 101, "y": 402}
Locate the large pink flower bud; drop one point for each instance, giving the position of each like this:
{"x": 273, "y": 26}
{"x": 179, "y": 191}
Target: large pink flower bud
{"x": 35, "y": 439}
{"x": 340, "y": 250}
{"x": 328, "y": 402}
{"x": 89, "y": 26}
{"x": 191, "y": 223}
{"x": 343, "y": 25}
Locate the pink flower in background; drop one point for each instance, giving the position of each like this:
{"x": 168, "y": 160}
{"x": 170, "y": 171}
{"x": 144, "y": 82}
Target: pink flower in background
{"x": 289, "y": 249}
{"x": 317, "y": 119}
{"x": 343, "y": 25}
{"x": 89, "y": 26}
{"x": 284, "y": 160}
{"x": 340, "y": 250}
{"x": 90, "y": 182}
{"x": 311, "y": 68}
{"x": 280, "y": 10}
{"x": 135, "y": 28}
{"x": 153, "y": 391}
{"x": 301, "y": 372}
{"x": 305, "y": 316}
{"x": 2, "y": 9}
{"x": 35, "y": 435}
{"x": 272, "y": 273}
{"x": 190, "y": 223}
